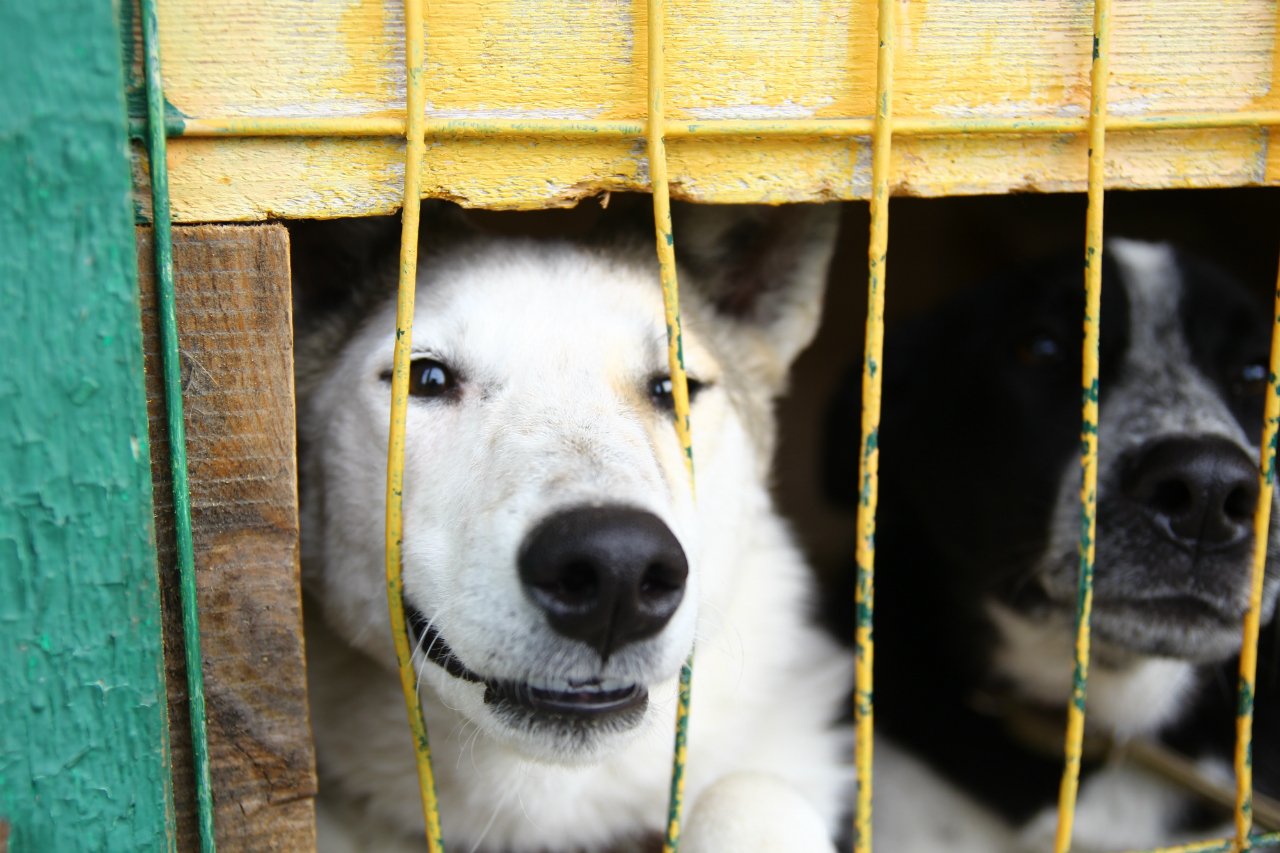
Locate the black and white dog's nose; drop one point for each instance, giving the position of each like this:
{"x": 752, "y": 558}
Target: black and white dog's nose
{"x": 1200, "y": 491}
{"x": 607, "y": 576}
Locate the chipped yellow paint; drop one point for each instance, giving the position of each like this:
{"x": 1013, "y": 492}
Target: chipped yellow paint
{"x": 1271, "y": 100}
{"x": 370, "y": 49}
{"x": 779, "y": 60}
{"x": 537, "y": 59}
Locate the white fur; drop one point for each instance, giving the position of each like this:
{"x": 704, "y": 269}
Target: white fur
{"x": 1134, "y": 698}
{"x": 1160, "y": 389}
{"x": 554, "y": 347}
{"x": 1121, "y": 807}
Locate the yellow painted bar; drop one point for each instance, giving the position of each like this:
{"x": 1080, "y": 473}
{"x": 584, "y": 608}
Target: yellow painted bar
{"x": 835, "y": 128}
{"x": 872, "y": 374}
{"x": 1249, "y": 647}
{"x": 1220, "y": 845}
{"x": 665, "y": 240}
{"x": 1089, "y": 425}
{"x": 415, "y": 61}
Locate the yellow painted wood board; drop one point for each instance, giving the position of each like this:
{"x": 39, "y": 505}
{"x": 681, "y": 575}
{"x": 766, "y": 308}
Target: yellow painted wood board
{"x": 765, "y": 59}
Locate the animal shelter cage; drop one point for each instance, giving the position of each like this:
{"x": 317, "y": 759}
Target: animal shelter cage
{"x": 296, "y": 109}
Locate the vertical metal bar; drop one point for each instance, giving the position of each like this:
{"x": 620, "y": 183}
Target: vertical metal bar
{"x": 665, "y": 239}
{"x": 675, "y": 360}
{"x": 1249, "y": 646}
{"x": 1089, "y": 421}
{"x": 171, "y": 362}
{"x": 415, "y": 150}
{"x": 872, "y": 375}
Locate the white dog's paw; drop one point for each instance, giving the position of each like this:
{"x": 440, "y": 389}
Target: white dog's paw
{"x": 753, "y": 813}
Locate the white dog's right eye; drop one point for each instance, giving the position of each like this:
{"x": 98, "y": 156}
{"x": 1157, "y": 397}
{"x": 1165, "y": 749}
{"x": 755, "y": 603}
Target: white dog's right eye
{"x": 429, "y": 378}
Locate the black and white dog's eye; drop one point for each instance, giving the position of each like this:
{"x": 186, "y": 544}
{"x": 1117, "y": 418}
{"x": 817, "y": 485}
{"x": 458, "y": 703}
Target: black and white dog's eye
{"x": 1251, "y": 379}
{"x": 1039, "y": 349}
{"x": 660, "y": 391}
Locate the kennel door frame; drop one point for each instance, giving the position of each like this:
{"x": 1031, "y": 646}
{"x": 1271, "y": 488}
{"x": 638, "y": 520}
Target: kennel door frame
{"x": 882, "y": 129}
{"x": 84, "y": 757}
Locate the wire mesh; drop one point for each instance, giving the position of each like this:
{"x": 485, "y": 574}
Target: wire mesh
{"x": 416, "y": 128}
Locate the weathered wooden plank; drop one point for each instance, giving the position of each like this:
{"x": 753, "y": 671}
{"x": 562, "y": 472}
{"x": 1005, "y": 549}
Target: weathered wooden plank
{"x": 773, "y": 60}
{"x": 234, "y": 319}
{"x": 83, "y": 749}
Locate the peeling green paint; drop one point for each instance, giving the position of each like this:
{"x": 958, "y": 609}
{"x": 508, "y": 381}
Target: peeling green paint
{"x": 83, "y": 735}
{"x": 1244, "y": 702}
{"x": 872, "y": 443}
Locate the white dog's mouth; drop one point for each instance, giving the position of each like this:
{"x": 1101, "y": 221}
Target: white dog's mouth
{"x": 590, "y": 701}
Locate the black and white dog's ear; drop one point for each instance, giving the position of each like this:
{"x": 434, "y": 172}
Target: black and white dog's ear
{"x": 335, "y": 260}
{"x": 331, "y": 258}
{"x": 763, "y": 268}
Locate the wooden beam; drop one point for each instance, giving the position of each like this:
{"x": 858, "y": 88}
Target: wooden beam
{"x": 235, "y": 329}
{"x": 584, "y": 61}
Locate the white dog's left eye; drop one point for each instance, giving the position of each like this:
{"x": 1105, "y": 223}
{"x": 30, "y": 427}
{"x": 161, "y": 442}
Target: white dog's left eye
{"x": 660, "y": 391}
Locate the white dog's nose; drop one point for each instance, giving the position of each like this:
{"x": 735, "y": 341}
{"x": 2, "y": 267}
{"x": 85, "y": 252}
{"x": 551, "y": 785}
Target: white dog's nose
{"x": 607, "y": 576}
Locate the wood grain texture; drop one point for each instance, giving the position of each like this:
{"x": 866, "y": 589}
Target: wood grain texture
{"x": 83, "y": 747}
{"x": 234, "y": 319}
{"x": 584, "y": 59}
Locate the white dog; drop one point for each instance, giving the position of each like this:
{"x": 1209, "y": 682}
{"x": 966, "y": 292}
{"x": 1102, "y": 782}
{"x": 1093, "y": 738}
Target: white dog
{"x": 557, "y": 569}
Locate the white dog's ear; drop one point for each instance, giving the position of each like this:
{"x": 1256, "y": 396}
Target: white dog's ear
{"x": 763, "y": 268}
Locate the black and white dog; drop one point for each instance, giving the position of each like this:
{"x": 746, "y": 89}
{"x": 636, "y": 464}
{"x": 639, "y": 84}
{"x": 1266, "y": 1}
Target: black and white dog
{"x": 977, "y": 545}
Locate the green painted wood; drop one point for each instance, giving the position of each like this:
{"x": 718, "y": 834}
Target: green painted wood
{"x": 83, "y": 737}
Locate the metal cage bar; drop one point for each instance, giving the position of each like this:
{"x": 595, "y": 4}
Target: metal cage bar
{"x": 1089, "y": 421}
{"x": 415, "y": 150}
{"x": 1249, "y": 643}
{"x": 390, "y": 126}
{"x": 1219, "y": 845}
{"x": 872, "y": 375}
{"x": 665, "y": 240}
{"x": 171, "y": 375}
